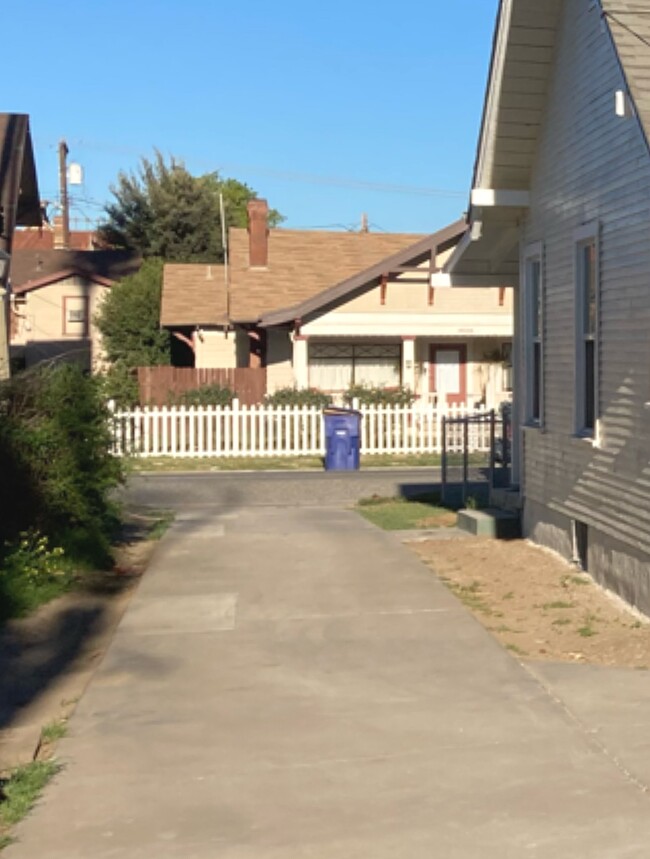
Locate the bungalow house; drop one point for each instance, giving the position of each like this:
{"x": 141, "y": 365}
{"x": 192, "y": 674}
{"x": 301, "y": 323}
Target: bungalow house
{"x": 560, "y": 209}
{"x": 55, "y": 295}
{"x": 329, "y": 309}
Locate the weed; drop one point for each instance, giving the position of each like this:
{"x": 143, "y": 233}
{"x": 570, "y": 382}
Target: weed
{"x": 514, "y": 649}
{"x": 557, "y": 604}
{"x": 160, "y": 526}
{"x": 54, "y": 731}
{"x": 588, "y": 630}
{"x": 469, "y": 595}
{"x": 561, "y": 621}
{"x": 510, "y": 595}
{"x": 31, "y": 573}
{"x": 22, "y": 789}
{"x": 568, "y": 579}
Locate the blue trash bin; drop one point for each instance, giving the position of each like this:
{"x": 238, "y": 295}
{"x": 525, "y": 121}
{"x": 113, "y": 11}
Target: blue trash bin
{"x": 342, "y": 439}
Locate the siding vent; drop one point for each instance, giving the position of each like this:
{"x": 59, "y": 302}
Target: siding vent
{"x": 580, "y": 544}
{"x": 623, "y": 105}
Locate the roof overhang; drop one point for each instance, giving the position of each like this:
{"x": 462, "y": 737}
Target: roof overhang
{"x": 515, "y": 101}
{"x": 57, "y": 276}
{"x": 18, "y": 183}
{"x": 420, "y": 250}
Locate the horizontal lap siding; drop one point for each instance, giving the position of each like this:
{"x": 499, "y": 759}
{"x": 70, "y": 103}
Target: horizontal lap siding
{"x": 593, "y": 165}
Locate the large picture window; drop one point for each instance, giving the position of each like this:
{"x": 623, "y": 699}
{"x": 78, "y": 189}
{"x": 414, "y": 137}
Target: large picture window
{"x": 586, "y": 328}
{"x": 336, "y": 366}
{"x": 534, "y": 334}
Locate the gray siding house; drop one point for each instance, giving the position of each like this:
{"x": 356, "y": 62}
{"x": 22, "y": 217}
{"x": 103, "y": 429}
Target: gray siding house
{"x": 560, "y": 209}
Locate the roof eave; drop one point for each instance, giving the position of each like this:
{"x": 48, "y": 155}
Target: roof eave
{"x": 340, "y": 290}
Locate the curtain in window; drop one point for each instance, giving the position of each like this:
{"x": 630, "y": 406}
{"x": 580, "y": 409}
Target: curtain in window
{"x": 336, "y": 366}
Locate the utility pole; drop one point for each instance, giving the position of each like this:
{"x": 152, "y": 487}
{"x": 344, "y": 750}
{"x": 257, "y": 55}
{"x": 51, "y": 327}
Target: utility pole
{"x": 63, "y": 193}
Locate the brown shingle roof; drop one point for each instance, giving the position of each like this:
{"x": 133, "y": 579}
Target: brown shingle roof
{"x": 301, "y": 263}
{"x": 193, "y": 294}
{"x": 418, "y": 251}
{"x": 31, "y": 268}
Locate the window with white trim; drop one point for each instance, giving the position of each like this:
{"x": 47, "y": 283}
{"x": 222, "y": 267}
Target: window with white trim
{"x": 75, "y": 315}
{"x": 336, "y": 366}
{"x": 586, "y": 330}
{"x": 534, "y": 334}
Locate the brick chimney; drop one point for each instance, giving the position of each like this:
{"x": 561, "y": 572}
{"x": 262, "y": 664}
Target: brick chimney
{"x": 59, "y": 239}
{"x": 258, "y": 233}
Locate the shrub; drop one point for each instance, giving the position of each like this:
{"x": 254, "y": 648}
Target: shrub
{"x": 207, "y": 395}
{"x": 55, "y": 461}
{"x": 31, "y": 573}
{"x": 298, "y": 397}
{"x": 369, "y": 395}
{"x": 120, "y": 384}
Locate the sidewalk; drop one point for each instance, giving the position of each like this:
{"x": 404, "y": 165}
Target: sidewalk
{"x": 295, "y": 683}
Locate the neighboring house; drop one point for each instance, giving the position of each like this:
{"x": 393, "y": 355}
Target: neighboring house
{"x": 54, "y": 297}
{"x": 561, "y": 209}
{"x": 325, "y": 310}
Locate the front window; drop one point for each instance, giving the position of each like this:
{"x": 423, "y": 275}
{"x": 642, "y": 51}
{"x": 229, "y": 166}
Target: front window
{"x": 336, "y": 366}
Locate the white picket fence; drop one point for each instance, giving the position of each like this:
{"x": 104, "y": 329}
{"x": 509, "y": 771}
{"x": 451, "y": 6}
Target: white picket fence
{"x": 203, "y": 431}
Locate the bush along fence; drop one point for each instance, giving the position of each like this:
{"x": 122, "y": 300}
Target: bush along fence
{"x": 236, "y": 430}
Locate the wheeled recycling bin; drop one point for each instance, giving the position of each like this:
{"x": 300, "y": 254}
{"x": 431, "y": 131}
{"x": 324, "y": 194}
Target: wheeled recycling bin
{"x": 342, "y": 439}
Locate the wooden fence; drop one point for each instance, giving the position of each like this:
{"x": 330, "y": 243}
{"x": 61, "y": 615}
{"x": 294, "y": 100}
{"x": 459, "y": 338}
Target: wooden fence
{"x": 240, "y": 430}
{"x": 160, "y": 384}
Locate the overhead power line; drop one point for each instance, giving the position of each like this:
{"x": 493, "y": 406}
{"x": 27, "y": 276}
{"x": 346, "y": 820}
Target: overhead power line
{"x": 292, "y": 176}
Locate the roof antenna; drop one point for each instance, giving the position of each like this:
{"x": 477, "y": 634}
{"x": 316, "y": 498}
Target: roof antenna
{"x": 364, "y": 222}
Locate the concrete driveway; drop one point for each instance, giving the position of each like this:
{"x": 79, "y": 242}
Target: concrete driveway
{"x": 291, "y": 682}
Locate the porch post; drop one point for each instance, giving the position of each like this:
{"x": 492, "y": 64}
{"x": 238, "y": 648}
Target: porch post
{"x": 408, "y": 363}
{"x": 300, "y": 361}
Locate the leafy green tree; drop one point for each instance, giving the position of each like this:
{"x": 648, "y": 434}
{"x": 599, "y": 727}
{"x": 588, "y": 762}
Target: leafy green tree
{"x": 129, "y": 319}
{"x": 129, "y": 322}
{"x": 162, "y": 210}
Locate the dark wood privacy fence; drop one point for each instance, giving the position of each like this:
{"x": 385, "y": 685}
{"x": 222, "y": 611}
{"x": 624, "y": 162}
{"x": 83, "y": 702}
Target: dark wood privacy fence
{"x": 157, "y": 384}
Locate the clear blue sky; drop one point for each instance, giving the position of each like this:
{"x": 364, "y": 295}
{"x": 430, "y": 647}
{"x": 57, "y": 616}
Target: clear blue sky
{"x": 318, "y": 107}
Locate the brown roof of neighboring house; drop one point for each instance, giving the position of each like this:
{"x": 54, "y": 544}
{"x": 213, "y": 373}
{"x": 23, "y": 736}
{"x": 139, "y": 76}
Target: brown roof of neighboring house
{"x": 35, "y": 238}
{"x": 33, "y": 269}
{"x": 193, "y": 294}
{"x": 416, "y": 251}
{"x": 301, "y": 264}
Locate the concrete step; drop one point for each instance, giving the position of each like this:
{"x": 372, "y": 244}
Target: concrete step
{"x": 491, "y": 522}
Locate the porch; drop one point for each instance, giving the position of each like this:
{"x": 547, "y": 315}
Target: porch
{"x": 450, "y": 371}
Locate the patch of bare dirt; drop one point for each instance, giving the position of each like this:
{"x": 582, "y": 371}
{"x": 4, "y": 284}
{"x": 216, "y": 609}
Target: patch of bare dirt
{"x": 537, "y": 605}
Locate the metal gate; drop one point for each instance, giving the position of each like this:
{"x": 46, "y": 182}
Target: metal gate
{"x": 463, "y": 467}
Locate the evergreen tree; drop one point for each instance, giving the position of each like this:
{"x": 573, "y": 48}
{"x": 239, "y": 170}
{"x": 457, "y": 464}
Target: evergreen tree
{"x": 163, "y": 211}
